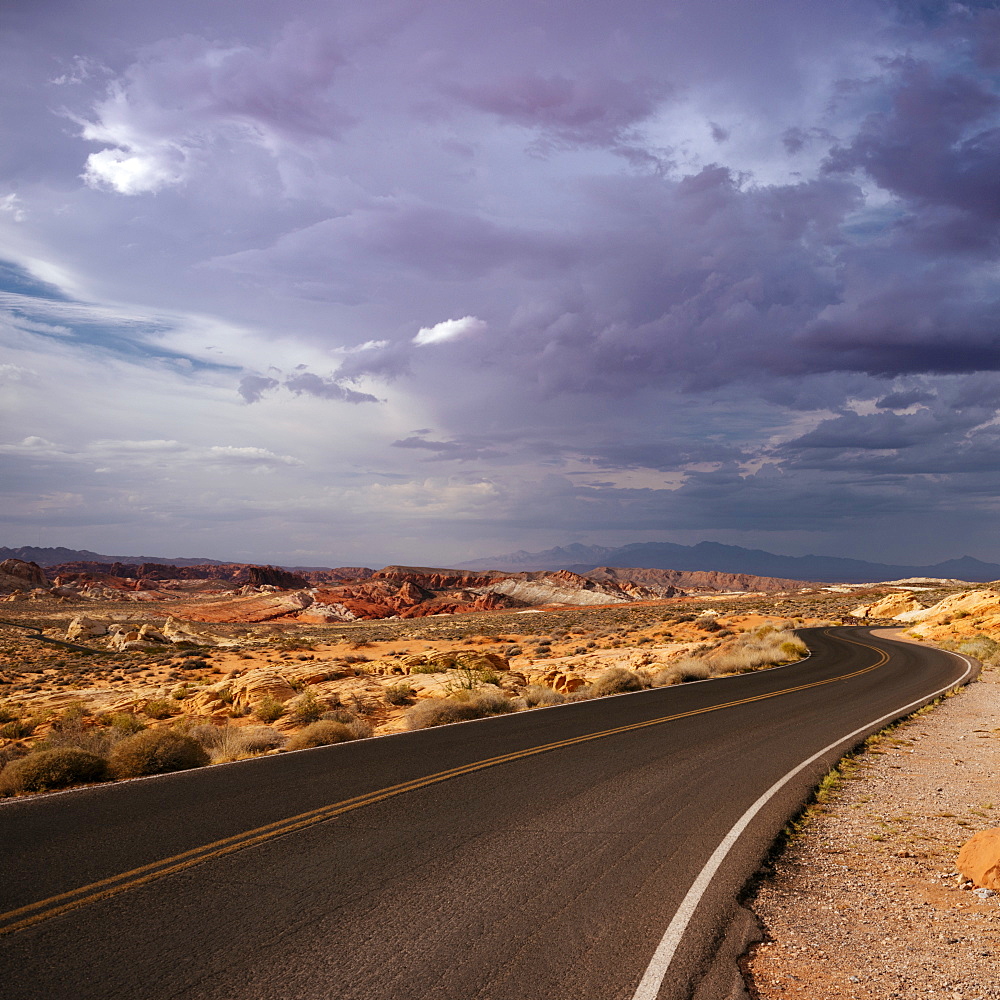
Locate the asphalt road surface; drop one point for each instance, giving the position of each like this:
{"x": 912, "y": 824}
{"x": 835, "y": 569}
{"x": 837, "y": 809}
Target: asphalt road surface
{"x": 591, "y": 851}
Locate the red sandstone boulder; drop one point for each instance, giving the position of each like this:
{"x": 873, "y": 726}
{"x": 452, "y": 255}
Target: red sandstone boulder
{"x": 979, "y": 859}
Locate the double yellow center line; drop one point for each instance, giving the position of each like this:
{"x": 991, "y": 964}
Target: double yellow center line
{"x": 33, "y": 913}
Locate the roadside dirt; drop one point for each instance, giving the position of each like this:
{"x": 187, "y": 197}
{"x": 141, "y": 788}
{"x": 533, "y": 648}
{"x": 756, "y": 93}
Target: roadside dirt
{"x": 865, "y": 901}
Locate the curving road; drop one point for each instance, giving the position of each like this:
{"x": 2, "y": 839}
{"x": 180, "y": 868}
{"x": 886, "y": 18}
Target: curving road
{"x": 590, "y": 851}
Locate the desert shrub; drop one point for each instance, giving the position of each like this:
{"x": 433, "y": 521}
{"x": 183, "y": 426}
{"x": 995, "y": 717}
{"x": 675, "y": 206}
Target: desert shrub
{"x": 321, "y": 734}
{"x": 269, "y": 709}
{"x": 73, "y": 735}
{"x": 17, "y": 729}
{"x": 361, "y": 727}
{"x": 399, "y": 694}
{"x": 538, "y": 694}
{"x": 72, "y": 713}
{"x": 156, "y": 751}
{"x": 158, "y": 708}
{"x": 442, "y": 711}
{"x": 427, "y": 668}
{"x": 258, "y": 739}
{"x": 616, "y": 680}
{"x": 11, "y": 752}
{"x": 47, "y": 769}
{"x": 125, "y": 723}
{"x": 205, "y": 734}
{"x": 10, "y": 713}
{"x": 306, "y": 708}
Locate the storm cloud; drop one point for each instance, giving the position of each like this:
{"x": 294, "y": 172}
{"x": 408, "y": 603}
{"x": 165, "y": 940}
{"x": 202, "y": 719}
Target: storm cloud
{"x": 653, "y": 272}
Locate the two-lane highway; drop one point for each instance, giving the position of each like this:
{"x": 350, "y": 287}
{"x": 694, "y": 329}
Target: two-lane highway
{"x": 592, "y": 850}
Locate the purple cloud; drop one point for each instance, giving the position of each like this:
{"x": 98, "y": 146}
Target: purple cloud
{"x": 586, "y": 111}
{"x": 186, "y": 94}
{"x": 253, "y": 387}
{"x": 938, "y": 144}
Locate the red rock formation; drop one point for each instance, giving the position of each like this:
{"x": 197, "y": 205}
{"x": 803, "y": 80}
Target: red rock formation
{"x": 234, "y": 573}
{"x": 263, "y": 576}
{"x": 16, "y": 574}
{"x": 437, "y": 579}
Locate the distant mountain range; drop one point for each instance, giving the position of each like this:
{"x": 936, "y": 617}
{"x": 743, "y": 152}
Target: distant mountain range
{"x": 732, "y": 559}
{"x": 705, "y": 556}
{"x": 56, "y": 556}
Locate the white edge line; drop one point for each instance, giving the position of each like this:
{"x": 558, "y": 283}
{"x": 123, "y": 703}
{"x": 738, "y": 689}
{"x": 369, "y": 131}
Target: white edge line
{"x": 652, "y": 980}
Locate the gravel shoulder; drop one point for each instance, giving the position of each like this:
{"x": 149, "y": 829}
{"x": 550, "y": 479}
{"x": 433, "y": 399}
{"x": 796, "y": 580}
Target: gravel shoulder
{"x": 865, "y": 901}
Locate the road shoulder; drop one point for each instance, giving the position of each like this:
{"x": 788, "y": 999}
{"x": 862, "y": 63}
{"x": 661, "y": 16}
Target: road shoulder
{"x": 864, "y": 902}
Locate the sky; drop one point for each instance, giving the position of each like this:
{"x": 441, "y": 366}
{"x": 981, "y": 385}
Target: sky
{"x": 327, "y": 283}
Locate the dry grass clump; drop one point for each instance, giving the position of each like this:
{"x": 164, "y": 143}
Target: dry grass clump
{"x": 474, "y": 705}
{"x": 156, "y": 751}
{"x": 321, "y": 734}
{"x": 983, "y": 648}
{"x": 538, "y": 694}
{"x": 688, "y": 669}
{"x": 617, "y": 680}
{"x": 228, "y": 743}
{"x": 48, "y": 769}
{"x": 763, "y": 648}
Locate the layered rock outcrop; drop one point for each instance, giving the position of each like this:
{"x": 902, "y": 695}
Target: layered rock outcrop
{"x": 889, "y": 606}
{"x": 564, "y": 587}
{"x": 252, "y": 608}
{"x": 456, "y": 659}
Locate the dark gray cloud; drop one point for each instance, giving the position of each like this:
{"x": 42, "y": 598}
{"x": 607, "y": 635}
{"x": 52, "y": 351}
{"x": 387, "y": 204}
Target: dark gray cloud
{"x": 904, "y": 398}
{"x": 326, "y": 388}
